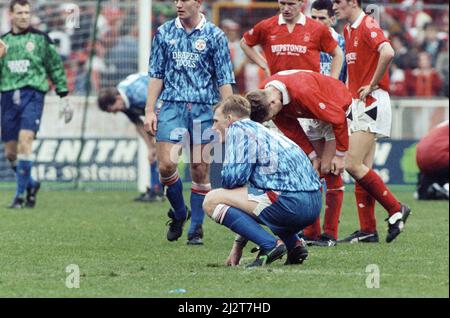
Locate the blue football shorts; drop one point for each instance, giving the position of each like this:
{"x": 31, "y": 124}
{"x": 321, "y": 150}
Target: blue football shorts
{"x": 286, "y": 212}
{"x": 21, "y": 109}
{"x": 180, "y": 122}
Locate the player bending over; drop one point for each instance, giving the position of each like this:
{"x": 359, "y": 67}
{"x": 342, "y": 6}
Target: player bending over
{"x": 290, "y": 95}
{"x": 129, "y": 98}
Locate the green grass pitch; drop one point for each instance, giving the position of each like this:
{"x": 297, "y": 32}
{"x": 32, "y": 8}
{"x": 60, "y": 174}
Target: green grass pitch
{"x": 121, "y": 251}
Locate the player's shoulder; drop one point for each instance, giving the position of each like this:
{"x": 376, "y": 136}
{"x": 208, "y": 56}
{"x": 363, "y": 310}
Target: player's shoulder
{"x": 42, "y": 34}
{"x": 5, "y": 35}
{"x": 167, "y": 27}
{"x": 368, "y": 23}
{"x": 212, "y": 29}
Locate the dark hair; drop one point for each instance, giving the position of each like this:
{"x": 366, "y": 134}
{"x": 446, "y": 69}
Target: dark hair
{"x": 259, "y": 105}
{"x": 324, "y": 5}
{"x": 19, "y": 2}
{"x": 107, "y": 97}
{"x": 234, "y": 104}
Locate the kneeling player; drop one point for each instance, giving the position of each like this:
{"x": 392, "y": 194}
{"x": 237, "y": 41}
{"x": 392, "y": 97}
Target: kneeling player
{"x": 266, "y": 179}
{"x": 129, "y": 98}
{"x": 301, "y": 94}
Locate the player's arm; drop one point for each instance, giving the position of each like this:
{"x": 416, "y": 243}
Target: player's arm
{"x": 3, "y": 48}
{"x": 148, "y": 139}
{"x": 256, "y": 36}
{"x": 255, "y": 56}
{"x": 55, "y": 69}
{"x": 336, "y": 63}
{"x": 155, "y": 86}
{"x": 223, "y": 66}
{"x": 225, "y": 91}
{"x": 156, "y": 82}
{"x": 386, "y": 56}
{"x": 334, "y": 114}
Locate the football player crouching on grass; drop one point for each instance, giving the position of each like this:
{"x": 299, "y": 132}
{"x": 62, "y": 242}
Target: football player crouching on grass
{"x": 288, "y": 96}
{"x": 266, "y": 179}
{"x": 129, "y": 98}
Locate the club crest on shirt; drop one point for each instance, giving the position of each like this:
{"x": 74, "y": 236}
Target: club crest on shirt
{"x": 200, "y": 45}
{"x": 173, "y": 42}
{"x": 373, "y": 35}
{"x": 307, "y": 37}
{"x": 355, "y": 44}
{"x": 29, "y": 46}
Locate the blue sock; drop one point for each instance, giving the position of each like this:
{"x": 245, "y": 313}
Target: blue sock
{"x": 243, "y": 224}
{"x": 197, "y": 213}
{"x": 175, "y": 196}
{"x": 23, "y": 176}
{"x": 155, "y": 183}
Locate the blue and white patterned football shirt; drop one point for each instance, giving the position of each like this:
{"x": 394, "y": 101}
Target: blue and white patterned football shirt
{"x": 193, "y": 66}
{"x": 266, "y": 160}
{"x": 133, "y": 91}
{"x": 325, "y": 58}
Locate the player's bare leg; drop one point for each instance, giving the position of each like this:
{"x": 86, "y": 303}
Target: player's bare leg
{"x": 326, "y": 150}
{"x": 361, "y": 146}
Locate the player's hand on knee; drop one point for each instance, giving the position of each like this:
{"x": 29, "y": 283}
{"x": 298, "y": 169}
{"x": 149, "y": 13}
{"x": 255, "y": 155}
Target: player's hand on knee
{"x": 66, "y": 109}
{"x": 337, "y": 165}
{"x": 316, "y": 164}
{"x": 150, "y": 123}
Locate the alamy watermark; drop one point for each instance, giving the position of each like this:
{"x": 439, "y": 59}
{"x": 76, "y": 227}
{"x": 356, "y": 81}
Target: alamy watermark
{"x": 72, "y": 12}
{"x": 373, "y": 277}
{"x": 73, "y": 279}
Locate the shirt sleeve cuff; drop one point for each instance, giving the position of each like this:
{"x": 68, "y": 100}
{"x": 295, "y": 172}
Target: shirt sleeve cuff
{"x": 340, "y": 153}
{"x": 312, "y": 155}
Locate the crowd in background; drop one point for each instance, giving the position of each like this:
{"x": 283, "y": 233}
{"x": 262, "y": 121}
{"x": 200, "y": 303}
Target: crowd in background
{"x": 418, "y": 30}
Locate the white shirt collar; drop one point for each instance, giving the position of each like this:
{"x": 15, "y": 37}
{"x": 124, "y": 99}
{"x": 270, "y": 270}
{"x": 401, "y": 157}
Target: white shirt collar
{"x": 125, "y": 98}
{"x": 200, "y": 26}
{"x": 301, "y": 20}
{"x": 358, "y": 21}
{"x": 282, "y": 88}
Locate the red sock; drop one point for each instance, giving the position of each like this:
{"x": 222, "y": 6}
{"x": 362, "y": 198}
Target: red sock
{"x": 373, "y": 184}
{"x": 366, "y": 210}
{"x": 333, "y": 201}
{"x": 312, "y": 231}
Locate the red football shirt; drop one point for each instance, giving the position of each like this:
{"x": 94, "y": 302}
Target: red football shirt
{"x": 299, "y": 50}
{"x": 311, "y": 95}
{"x": 362, "y": 41}
{"x": 432, "y": 150}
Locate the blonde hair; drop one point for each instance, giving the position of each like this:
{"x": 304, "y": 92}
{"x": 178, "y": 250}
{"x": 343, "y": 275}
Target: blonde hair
{"x": 234, "y": 104}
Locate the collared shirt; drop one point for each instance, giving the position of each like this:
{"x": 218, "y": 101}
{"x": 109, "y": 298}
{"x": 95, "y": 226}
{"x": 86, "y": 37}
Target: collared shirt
{"x": 192, "y": 65}
{"x": 315, "y": 96}
{"x": 297, "y": 50}
{"x": 363, "y": 40}
{"x": 264, "y": 159}
{"x": 133, "y": 91}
